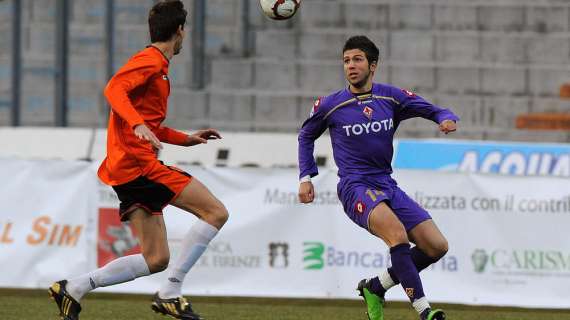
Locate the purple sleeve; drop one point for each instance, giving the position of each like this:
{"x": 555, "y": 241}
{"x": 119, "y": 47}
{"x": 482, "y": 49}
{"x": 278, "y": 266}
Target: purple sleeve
{"x": 312, "y": 128}
{"x": 412, "y": 106}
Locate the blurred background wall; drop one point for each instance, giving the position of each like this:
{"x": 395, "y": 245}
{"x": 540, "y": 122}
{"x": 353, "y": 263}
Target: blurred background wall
{"x": 490, "y": 61}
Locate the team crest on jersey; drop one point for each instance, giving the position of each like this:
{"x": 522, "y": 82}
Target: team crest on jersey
{"x": 408, "y": 93}
{"x": 164, "y": 77}
{"x": 360, "y": 207}
{"x": 315, "y": 107}
{"x": 367, "y": 112}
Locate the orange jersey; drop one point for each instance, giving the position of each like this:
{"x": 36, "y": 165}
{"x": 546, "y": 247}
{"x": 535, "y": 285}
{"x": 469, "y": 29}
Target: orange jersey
{"x": 138, "y": 94}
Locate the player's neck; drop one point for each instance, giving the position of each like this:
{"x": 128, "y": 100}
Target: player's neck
{"x": 364, "y": 89}
{"x": 166, "y": 48}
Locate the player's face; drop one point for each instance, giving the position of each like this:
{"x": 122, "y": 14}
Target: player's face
{"x": 179, "y": 39}
{"x": 357, "y": 70}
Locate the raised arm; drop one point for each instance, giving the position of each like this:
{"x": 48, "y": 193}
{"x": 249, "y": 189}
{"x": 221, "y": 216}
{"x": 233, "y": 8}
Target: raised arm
{"x": 409, "y": 105}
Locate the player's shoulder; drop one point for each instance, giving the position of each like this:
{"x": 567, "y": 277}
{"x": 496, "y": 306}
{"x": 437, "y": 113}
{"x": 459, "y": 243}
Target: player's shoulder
{"x": 384, "y": 89}
{"x": 391, "y": 92}
{"x": 147, "y": 57}
{"x": 336, "y": 98}
{"x": 323, "y": 104}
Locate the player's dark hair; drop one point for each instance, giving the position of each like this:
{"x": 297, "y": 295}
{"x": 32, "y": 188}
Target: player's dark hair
{"x": 164, "y": 19}
{"x": 366, "y": 45}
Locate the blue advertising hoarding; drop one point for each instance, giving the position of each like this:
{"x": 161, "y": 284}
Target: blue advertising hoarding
{"x": 511, "y": 158}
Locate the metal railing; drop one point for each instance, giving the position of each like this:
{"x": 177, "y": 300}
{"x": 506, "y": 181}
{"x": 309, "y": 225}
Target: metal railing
{"x": 61, "y": 69}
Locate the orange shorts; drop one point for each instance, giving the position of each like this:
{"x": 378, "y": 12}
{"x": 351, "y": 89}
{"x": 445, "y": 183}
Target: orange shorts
{"x": 152, "y": 191}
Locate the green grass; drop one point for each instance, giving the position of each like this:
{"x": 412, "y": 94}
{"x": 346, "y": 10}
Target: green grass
{"x": 34, "y": 304}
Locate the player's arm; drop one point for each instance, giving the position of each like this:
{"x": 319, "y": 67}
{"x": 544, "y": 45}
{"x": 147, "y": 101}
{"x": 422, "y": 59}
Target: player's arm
{"x": 132, "y": 75}
{"x": 410, "y": 105}
{"x": 312, "y": 129}
{"x": 172, "y": 136}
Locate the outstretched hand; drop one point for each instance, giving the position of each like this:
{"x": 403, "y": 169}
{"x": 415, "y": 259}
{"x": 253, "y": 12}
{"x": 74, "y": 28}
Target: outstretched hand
{"x": 202, "y": 136}
{"x": 448, "y": 126}
{"x": 144, "y": 133}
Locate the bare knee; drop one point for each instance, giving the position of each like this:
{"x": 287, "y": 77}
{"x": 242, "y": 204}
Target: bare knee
{"x": 216, "y": 216}
{"x": 157, "y": 262}
{"x": 384, "y": 224}
{"x": 396, "y": 236}
{"x": 441, "y": 249}
{"x": 438, "y": 249}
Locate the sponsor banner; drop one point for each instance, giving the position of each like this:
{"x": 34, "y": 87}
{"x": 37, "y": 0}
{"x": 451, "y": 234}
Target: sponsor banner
{"x": 114, "y": 239}
{"x": 507, "y": 235}
{"x": 507, "y": 238}
{"x": 260, "y": 250}
{"x": 47, "y": 221}
{"x": 525, "y": 159}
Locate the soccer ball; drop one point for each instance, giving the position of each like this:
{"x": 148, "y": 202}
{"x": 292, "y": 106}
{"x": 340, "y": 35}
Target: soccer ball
{"x": 280, "y": 9}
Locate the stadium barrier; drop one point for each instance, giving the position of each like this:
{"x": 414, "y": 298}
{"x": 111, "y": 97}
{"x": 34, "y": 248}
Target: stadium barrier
{"x": 278, "y": 150}
{"x": 504, "y": 158}
{"x": 233, "y": 150}
{"x": 507, "y": 234}
{"x": 543, "y": 121}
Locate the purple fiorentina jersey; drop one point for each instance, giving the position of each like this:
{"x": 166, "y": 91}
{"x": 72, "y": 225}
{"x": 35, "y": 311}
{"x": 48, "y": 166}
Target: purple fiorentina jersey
{"x": 362, "y": 128}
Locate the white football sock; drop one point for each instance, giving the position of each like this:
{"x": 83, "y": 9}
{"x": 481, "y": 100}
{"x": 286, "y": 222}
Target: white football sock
{"x": 386, "y": 280}
{"x": 420, "y": 304}
{"x": 192, "y": 247}
{"x": 120, "y": 270}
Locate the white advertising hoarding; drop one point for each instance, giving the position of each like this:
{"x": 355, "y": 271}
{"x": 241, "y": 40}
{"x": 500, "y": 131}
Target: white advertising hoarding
{"x": 506, "y": 238}
{"x": 46, "y": 221}
{"x": 507, "y": 235}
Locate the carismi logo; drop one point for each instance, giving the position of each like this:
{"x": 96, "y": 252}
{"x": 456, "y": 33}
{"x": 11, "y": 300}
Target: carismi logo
{"x": 521, "y": 262}
{"x": 479, "y": 259}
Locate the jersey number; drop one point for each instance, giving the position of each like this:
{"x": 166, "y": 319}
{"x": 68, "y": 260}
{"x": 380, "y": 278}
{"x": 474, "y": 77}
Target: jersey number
{"x": 374, "y": 193}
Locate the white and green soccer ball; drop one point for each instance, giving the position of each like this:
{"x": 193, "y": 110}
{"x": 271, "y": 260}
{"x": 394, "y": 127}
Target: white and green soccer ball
{"x": 280, "y": 9}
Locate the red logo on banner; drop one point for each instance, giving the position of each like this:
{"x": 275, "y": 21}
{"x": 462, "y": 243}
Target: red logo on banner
{"x": 360, "y": 207}
{"x": 115, "y": 239}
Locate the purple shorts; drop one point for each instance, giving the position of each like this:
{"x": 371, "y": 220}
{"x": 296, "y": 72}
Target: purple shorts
{"x": 360, "y": 195}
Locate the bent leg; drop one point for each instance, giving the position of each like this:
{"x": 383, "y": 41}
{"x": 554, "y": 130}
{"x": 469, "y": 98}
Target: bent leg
{"x": 151, "y": 233}
{"x": 431, "y": 246}
{"x": 385, "y": 224}
{"x": 154, "y": 258}
{"x": 196, "y": 199}
{"x": 429, "y": 240}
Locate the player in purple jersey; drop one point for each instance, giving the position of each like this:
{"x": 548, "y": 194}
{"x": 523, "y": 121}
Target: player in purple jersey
{"x": 362, "y": 120}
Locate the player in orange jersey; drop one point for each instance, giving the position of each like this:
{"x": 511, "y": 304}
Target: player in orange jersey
{"x": 138, "y": 95}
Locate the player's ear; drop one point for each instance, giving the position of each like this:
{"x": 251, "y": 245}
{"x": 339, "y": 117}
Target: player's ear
{"x": 373, "y": 66}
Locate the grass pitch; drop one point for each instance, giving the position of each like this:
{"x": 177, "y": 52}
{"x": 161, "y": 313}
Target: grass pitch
{"x": 34, "y": 304}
